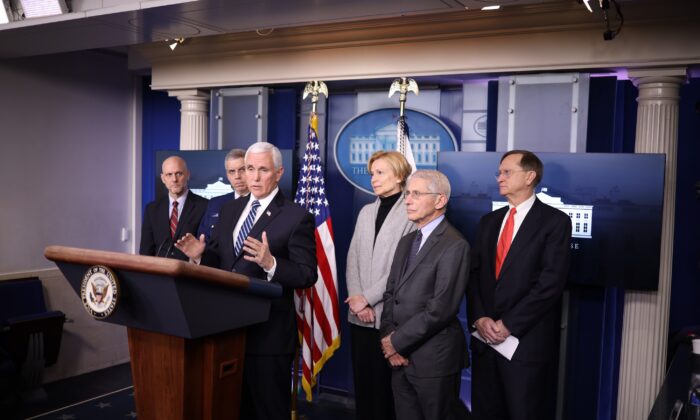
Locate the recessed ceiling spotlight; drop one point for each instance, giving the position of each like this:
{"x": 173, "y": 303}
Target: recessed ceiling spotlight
{"x": 173, "y": 43}
{"x": 588, "y": 6}
{"x": 494, "y": 7}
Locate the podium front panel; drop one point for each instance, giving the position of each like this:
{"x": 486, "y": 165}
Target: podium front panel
{"x": 181, "y": 307}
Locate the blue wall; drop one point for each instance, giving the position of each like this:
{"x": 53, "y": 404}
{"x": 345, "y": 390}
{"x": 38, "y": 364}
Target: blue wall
{"x": 685, "y": 289}
{"x": 595, "y": 318}
{"x": 160, "y": 131}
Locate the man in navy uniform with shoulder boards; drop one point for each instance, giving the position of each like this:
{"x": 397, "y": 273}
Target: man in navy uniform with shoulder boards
{"x": 234, "y": 163}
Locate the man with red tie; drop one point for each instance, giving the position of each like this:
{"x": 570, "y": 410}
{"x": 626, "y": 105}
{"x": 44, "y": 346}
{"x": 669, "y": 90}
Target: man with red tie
{"x": 520, "y": 264}
{"x": 171, "y": 216}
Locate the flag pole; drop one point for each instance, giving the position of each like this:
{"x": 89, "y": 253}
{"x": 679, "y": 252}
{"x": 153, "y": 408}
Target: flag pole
{"x": 313, "y": 88}
{"x": 404, "y": 85}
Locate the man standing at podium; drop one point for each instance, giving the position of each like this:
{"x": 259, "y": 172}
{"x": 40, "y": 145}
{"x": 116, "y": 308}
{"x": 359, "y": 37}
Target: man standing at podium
{"x": 172, "y": 216}
{"x": 234, "y": 162}
{"x": 267, "y": 237}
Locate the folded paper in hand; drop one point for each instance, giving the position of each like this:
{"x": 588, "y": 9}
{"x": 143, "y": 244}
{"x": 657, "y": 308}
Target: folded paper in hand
{"x": 506, "y": 348}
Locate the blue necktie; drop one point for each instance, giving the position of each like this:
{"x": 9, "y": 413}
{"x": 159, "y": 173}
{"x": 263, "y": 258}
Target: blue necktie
{"x": 415, "y": 246}
{"x": 245, "y": 229}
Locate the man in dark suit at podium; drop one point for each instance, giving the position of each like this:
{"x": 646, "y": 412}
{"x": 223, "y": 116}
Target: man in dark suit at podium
{"x": 172, "y": 216}
{"x": 234, "y": 162}
{"x": 267, "y": 237}
{"x": 520, "y": 264}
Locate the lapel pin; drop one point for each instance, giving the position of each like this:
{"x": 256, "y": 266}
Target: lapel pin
{"x": 268, "y": 213}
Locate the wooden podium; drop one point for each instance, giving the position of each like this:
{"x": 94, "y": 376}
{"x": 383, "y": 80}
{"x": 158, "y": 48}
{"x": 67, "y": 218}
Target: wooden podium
{"x": 186, "y": 328}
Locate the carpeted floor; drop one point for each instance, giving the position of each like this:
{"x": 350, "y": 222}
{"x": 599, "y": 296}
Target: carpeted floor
{"x": 108, "y": 394}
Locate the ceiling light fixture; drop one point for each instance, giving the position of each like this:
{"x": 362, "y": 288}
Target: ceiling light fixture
{"x": 604, "y": 6}
{"x": 264, "y": 32}
{"x": 41, "y": 8}
{"x": 588, "y": 5}
{"x": 173, "y": 43}
{"x": 5, "y": 11}
{"x": 609, "y": 34}
{"x": 494, "y": 7}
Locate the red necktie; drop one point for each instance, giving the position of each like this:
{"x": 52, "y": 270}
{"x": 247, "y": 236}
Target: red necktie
{"x": 173, "y": 220}
{"x": 504, "y": 241}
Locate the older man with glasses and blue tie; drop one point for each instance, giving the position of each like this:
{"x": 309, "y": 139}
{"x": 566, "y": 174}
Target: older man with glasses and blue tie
{"x": 423, "y": 340}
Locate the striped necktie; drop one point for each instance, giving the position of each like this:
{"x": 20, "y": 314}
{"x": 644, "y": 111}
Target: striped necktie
{"x": 173, "y": 220}
{"x": 245, "y": 229}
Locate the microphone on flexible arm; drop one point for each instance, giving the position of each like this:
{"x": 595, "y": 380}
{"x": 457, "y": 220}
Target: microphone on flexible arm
{"x": 167, "y": 251}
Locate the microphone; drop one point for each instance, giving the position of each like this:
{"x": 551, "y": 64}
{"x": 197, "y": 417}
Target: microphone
{"x": 160, "y": 247}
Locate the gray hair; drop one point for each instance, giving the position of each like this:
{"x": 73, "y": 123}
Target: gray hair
{"x": 235, "y": 154}
{"x": 437, "y": 181}
{"x": 265, "y": 147}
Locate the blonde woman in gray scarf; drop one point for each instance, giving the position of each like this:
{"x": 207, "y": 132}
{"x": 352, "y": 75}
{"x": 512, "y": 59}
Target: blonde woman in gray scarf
{"x": 379, "y": 227}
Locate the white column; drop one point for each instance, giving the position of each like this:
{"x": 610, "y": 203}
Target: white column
{"x": 645, "y": 324}
{"x": 194, "y": 118}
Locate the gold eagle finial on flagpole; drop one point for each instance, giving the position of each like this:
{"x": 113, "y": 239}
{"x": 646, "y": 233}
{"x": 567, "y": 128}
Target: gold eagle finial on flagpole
{"x": 315, "y": 87}
{"x": 403, "y": 86}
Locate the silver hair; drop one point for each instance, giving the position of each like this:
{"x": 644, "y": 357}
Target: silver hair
{"x": 265, "y": 147}
{"x": 235, "y": 154}
{"x": 437, "y": 181}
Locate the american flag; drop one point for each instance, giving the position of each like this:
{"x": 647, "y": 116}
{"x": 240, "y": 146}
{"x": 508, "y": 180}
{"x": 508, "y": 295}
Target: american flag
{"x": 317, "y": 306}
{"x": 402, "y": 144}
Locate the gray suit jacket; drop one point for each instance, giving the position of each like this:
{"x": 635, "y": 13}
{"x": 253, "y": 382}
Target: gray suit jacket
{"x": 422, "y": 300}
{"x": 368, "y": 265}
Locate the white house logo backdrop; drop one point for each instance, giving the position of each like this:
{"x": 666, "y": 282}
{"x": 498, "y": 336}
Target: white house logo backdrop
{"x": 99, "y": 291}
{"x": 375, "y": 130}
{"x": 581, "y": 215}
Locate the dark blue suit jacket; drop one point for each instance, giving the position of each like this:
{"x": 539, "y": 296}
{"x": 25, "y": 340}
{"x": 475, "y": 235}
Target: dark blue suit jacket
{"x": 211, "y": 216}
{"x": 290, "y": 234}
{"x": 527, "y": 294}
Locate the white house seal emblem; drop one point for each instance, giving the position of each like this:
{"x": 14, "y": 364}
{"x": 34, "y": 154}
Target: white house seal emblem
{"x": 99, "y": 291}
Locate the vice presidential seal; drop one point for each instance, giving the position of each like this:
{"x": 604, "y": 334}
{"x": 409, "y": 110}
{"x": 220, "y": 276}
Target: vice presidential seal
{"x": 99, "y": 291}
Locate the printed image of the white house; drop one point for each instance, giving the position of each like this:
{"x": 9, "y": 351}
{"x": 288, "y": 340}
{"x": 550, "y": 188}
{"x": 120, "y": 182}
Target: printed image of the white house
{"x": 581, "y": 215}
{"x": 425, "y": 148}
{"x": 213, "y": 190}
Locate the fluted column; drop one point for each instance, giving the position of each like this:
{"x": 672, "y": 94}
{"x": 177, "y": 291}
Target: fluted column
{"x": 194, "y": 118}
{"x": 645, "y": 324}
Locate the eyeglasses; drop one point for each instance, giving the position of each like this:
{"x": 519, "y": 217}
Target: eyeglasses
{"x": 417, "y": 194}
{"x": 508, "y": 172}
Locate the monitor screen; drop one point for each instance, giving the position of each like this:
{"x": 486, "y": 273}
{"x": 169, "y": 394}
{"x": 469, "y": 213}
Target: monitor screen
{"x": 208, "y": 175}
{"x": 614, "y": 200}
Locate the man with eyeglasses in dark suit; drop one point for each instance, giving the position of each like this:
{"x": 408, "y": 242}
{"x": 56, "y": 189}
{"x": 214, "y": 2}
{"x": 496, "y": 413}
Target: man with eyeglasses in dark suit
{"x": 519, "y": 267}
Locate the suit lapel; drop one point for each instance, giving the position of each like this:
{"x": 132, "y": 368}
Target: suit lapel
{"x": 527, "y": 230}
{"x": 163, "y": 218}
{"x": 228, "y": 224}
{"x": 272, "y": 210}
{"x": 432, "y": 240}
{"x": 492, "y": 240}
{"x": 402, "y": 253}
{"x": 187, "y": 211}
